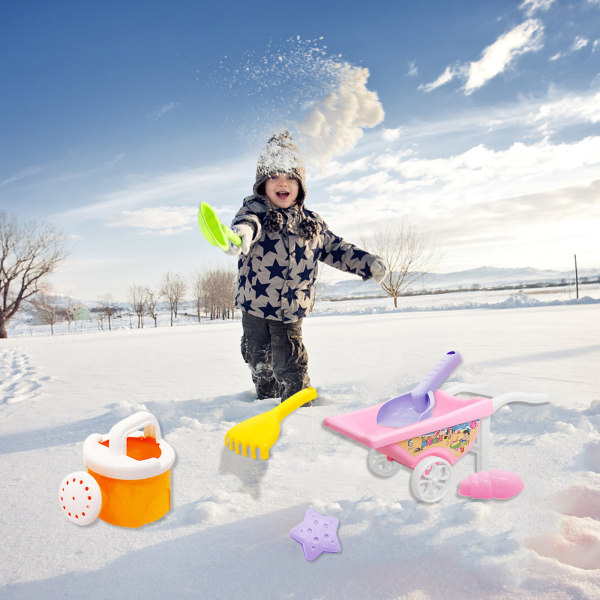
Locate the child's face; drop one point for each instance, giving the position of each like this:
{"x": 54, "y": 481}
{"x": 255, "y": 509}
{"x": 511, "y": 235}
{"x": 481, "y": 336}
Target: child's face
{"x": 282, "y": 189}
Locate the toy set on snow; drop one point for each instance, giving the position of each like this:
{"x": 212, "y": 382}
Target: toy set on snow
{"x": 428, "y": 430}
{"x": 127, "y": 482}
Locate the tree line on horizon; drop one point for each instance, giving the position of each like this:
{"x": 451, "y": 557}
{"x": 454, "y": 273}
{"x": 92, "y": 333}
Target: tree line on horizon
{"x": 30, "y": 252}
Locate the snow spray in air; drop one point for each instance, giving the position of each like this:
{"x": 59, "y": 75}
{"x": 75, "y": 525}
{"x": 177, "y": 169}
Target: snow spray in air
{"x": 299, "y": 86}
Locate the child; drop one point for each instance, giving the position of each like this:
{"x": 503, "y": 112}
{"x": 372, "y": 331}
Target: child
{"x": 281, "y": 243}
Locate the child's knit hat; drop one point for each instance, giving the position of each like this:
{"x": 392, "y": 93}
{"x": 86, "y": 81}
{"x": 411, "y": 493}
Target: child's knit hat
{"x": 281, "y": 155}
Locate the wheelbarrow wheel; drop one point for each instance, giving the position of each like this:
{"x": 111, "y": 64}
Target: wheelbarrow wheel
{"x": 380, "y": 465}
{"x": 431, "y": 478}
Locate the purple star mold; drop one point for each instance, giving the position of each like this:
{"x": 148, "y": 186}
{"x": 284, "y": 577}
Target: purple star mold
{"x": 316, "y": 534}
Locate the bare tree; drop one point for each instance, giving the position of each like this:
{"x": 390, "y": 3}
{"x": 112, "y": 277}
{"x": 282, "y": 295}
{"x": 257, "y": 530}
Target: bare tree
{"x": 137, "y": 296}
{"x": 47, "y": 309}
{"x": 108, "y": 309}
{"x": 28, "y": 254}
{"x": 407, "y": 253}
{"x": 215, "y": 293}
{"x": 173, "y": 289}
{"x": 69, "y": 313}
{"x": 198, "y": 291}
{"x": 151, "y": 299}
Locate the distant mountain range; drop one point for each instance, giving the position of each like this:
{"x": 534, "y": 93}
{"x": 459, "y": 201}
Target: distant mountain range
{"x": 481, "y": 276}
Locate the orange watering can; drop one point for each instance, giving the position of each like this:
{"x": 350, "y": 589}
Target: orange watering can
{"x": 128, "y": 478}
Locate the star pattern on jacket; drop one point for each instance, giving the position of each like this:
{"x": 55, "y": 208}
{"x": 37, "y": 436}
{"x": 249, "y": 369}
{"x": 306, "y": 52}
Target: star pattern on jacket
{"x": 337, "y": 254}
{"x": 300, "y": 253}
{"x": 268, "y": 245}
{"x": 260, "y": 289}
{"x": 290, "y": 295}
{"x": 358, "y": 254}
{"x": 251, "y": 273}
{"x": 276, "y": 270}
{"x": 305, "y": 275}
{"x": 366, "y": 272}
{"x": 291, "y": 271}
{"x": 268, "y": 310}
{"x": 301, "y": 312}
{"x": 307, "y": 292}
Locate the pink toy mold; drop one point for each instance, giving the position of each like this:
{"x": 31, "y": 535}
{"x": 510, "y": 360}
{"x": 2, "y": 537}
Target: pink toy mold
{"x": 491, "y": 484}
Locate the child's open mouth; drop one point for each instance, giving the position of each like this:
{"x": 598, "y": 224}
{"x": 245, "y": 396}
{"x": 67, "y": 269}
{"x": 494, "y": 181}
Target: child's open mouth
{"x": 283, "y": 195}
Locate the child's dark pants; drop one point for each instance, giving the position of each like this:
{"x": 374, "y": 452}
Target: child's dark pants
{"x": 276, "y": 356}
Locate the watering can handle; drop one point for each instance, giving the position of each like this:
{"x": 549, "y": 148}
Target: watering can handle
{"x": 437, "y": 375}
{"x": 119, "y": 432}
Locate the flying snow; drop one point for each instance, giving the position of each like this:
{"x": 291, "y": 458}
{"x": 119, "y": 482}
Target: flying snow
{"x": 298, "y": 85}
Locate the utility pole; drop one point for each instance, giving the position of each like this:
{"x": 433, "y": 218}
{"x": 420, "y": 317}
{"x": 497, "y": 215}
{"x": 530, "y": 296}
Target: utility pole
{"x": 576, "y": 279}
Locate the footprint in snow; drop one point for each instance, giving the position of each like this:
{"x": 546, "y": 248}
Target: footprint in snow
{"x": 19, "y": 379}
{"x": 577, "y": 541}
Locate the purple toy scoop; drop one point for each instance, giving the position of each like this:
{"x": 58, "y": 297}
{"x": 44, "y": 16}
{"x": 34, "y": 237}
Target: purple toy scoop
{"x": 417, "y": 405}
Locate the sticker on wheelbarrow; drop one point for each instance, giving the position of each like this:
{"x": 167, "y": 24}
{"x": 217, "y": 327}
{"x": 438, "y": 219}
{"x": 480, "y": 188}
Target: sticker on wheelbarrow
{"x": 457, "y": 439}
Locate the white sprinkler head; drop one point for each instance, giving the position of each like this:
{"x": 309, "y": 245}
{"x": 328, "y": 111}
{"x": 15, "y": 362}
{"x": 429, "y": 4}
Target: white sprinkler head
{"x": 80, "y": 497}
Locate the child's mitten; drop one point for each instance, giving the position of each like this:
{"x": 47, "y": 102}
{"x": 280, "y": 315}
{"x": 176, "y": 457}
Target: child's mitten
{"x": 378, "y": 270}
{"x": 246, "y": 233}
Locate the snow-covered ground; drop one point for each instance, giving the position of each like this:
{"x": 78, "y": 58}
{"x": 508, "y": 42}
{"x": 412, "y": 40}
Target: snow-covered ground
{"x": 227, "y": 533}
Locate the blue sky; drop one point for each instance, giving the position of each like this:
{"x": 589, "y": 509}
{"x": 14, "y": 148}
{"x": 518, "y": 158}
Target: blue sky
{"x": 479, "y": 122}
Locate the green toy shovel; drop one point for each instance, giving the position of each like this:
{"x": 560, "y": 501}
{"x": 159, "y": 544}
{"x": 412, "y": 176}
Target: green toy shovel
{"x": 213, "y": 230}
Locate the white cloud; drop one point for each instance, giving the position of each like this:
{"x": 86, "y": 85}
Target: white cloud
{"x": 164, "y": 220}
{"x": 495, "y": 59}
{"x": 529, "y": 118}
{"x": 579, "y": 43}
{"x": 336, "y": 123}
{"x": 397, "y": 184}
{"x": 25, "y": 173}
{"x": 502, "y": 53}
{"x": 179, "y": 188}
{"x": 530, "y": 7}
{"x": 163, "y": 110}
{"x": 391, "y": 135}
{"x": 568, "y": 110}
{"x": 413, "y": 70}
{"x": 446, "y": 77}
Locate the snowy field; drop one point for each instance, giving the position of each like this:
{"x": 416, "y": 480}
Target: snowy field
{"x": 227, "y": 533}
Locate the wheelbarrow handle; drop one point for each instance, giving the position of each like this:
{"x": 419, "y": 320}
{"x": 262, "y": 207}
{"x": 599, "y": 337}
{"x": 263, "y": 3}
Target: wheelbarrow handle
{"x": 527, "y": 398}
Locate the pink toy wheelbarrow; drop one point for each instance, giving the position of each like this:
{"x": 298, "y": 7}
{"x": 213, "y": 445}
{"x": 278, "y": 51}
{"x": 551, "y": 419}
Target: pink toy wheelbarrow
{"x": 427, "y": 431}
